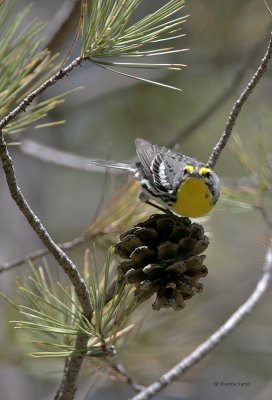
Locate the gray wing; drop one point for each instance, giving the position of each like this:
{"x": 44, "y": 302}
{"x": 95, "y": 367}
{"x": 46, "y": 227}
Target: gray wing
{"x": 155, "y": 161}
{"x": 161, "y": 165}
{"x": 150, "y": 156}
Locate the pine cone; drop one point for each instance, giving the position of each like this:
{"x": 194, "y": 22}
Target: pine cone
{"x": 163, "y": 257}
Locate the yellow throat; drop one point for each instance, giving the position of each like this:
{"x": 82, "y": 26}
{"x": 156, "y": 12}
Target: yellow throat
{"x": 194, "y": 198}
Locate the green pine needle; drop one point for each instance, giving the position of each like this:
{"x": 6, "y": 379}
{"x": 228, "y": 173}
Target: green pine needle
{"x": 53, "y": 316}
{"x": 23, "y": 67}
{"x": 36, "y": 113}
{"x": 108, "y": 32}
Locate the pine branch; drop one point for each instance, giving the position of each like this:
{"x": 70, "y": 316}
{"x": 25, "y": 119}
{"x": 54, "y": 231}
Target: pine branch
{"x": 239, "y": 104}
{"x": 67, "y": 388}
{"x": 120, "y": 369}
{"x": 216, "y": 338}
{"x": 35, "y": 93}
{"x": 63, "y": 260}
{"x": 24, "y": 66}
{"x": 217, "y": 102}
{"x": 73, "y": 364}
{"x": 108, "y": 32}
{"x": 209, "y": 111}
{"x": 40, "y": 253}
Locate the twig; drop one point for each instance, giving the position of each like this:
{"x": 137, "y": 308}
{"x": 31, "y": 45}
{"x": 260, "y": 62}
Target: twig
{"x": 218, "y": 102}
{"x": 53, "y": 156}
{"x": 49, "y": 82}
{"x": 118, "y": 367}
{"x": 206, "y": 114}
{"x": 40, "y": 253}
{"x": 238, "y": 105}
{"x": 215, "y": 339}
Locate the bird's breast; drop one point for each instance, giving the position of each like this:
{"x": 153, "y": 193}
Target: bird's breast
{"x": 193, "y": 198}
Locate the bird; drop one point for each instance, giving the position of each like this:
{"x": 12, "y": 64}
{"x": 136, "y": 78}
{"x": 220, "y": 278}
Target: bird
{"x": 181, "y": 184}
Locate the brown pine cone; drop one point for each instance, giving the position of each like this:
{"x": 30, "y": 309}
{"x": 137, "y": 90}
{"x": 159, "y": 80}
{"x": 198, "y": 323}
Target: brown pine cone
{"x": 163, "y": 257}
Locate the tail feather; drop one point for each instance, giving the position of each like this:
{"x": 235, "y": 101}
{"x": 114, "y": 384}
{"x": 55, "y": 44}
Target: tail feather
{"x": 130, "y": 167}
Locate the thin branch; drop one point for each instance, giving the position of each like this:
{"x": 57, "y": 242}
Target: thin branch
{"x": 216, "y": 338}
{"x": 218, "y": 101}
{"x": 45, "y": 85}
{"x": 40, "y": 253}
{"x": 120, "y": 369}
{"x": 50, "y": 155}
{"x": 207, "y": 113}
{"x": 238, "y": 106}
{"x": 63, "y": 260}
{"x": 73, "y": 364}
{"x": 67, "y": 388}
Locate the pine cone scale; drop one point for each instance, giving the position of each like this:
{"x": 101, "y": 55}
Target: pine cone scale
{"x": 163, "y": 257}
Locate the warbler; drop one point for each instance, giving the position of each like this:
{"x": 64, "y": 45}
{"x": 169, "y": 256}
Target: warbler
{"x": 180, "y": 183}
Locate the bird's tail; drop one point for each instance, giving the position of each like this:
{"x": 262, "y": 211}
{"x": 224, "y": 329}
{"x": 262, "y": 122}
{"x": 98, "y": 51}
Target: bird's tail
{"x": 129, "y": 167}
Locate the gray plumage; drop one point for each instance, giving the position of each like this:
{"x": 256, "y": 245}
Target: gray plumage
{"x": 161, "y": 171}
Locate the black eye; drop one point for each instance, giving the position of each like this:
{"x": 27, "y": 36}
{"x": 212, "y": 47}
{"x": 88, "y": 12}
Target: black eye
{"x": 189, "y": 169}
{"x": 207, "y": 174}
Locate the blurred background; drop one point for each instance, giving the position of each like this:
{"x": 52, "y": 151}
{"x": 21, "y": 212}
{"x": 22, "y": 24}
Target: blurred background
{"x": 226, "y": 42}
